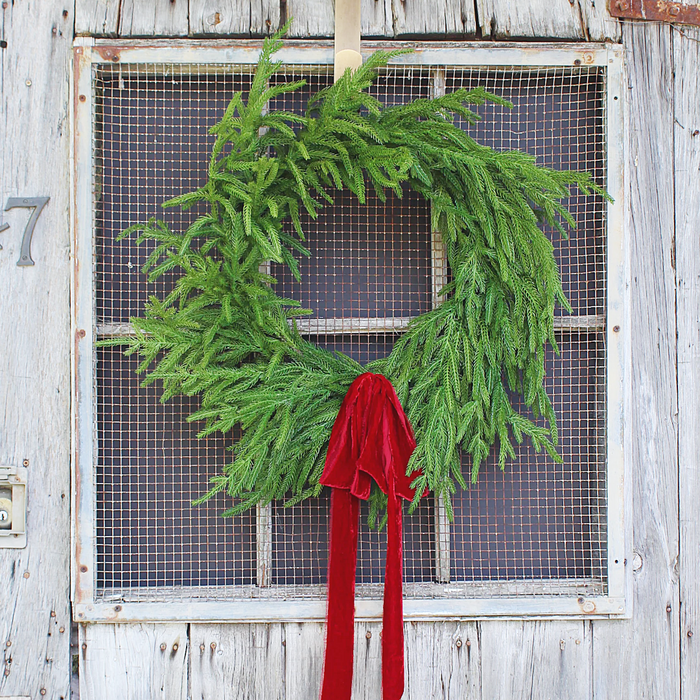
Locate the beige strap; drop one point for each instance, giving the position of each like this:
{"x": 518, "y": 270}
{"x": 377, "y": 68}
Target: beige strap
{"x": 347, "y": 58}
{"x": 347, "y": 36}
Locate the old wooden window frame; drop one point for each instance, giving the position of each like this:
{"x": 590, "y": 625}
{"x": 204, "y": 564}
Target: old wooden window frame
{"x": 616, "y": 603}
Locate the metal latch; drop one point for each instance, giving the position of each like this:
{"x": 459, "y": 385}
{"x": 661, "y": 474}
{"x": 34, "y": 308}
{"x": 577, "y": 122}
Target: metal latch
{"x": 13, "y": 507}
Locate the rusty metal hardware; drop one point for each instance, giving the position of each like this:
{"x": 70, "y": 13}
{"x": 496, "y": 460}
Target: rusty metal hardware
{"x": 13, "y": 507}
{"x": 658, "y": 10}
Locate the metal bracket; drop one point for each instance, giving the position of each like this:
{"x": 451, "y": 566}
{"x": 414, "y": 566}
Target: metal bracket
{"x": 655, "y": 10}
{"x": 13, "y": 507}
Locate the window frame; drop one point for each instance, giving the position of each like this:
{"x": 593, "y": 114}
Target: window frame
{"x": 451, "y": 603}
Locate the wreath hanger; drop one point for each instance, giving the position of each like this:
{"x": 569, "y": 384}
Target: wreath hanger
{"x": 347, "y": 36}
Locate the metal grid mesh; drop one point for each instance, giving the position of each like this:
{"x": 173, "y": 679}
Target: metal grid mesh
{"x": 557, "y": 116}
{"x": 539, "y": 519}
{"x": 371, "y": 269}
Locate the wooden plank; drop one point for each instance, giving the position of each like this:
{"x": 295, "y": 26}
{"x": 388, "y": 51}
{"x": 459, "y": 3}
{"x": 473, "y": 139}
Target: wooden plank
{"x": 501, "y": 19}
{"x": 377, "y": 18}
{"x": 141, "y": 18}
{"x": 311, "y": 18}
{"x": 237, "y": 662}
{"x": 440, "y": 17}
{"x": 97, "y": 17}
{"x": 249, "y": 18}
{"x": 443, "y": 660}
{"x": 686, "y": 45}
{"x": 304, "y": 660}
{"x": 35, "y": 374}
{"x": 548, "y": 19}
{"x": 536, "y": 660}
{"x": 644, "y": 651}
{"x": 136, "y": 661}
{"x": 599, "y": 24}
{"x": 367, "y": 662}
{"x": 316, "y": 18}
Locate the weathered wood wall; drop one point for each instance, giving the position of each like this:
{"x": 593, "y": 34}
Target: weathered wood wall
{"x": 583, "y": 20}
{"x": 652, "y": 655}
{"x": 640, "y": 657}
{"x": 35, "y": 345}
{"x": 686, "y": 128}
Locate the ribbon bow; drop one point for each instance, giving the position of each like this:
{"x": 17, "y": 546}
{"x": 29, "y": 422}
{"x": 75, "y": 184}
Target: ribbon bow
{"x": 371, "y": 439}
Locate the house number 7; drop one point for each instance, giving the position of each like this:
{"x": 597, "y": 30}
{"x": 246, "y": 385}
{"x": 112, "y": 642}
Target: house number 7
{"x": 37, "y": 204}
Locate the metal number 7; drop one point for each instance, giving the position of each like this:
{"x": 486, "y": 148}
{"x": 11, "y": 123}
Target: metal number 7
{"x": 36, "y": 203}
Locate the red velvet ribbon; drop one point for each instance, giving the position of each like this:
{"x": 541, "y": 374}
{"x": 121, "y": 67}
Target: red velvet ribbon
{"x": 371, "y": 439}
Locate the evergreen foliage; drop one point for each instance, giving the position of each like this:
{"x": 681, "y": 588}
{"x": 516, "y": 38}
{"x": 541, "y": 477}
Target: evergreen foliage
{"x": 224, "y": 334}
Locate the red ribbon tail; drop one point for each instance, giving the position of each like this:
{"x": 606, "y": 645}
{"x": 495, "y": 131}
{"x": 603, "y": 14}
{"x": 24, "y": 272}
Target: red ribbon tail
{"x": 392, "y": 634}
{"x": 340, "y": 629}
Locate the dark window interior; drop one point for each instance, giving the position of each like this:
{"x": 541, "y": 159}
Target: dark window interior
{"x": 536, "y": 520}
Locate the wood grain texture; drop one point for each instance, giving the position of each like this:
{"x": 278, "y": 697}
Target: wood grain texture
{"x": 387, "y": 18}
{"x": 526, "y": 660}
{"x": 443, "y": 660}
{"x": 246, "y": 18}
{"x": 311, "y": 18}
{"x": 304, "y": 659}
{"x": 500, "y": 19}
{"x": 598, "y": 23}
{"x": 639, "y": 658}
{"x": 686, "y": 49}
{"x": 253, "y": 655}
{"x": 34, "y": 373}
{"x": 97, "y": 17}
{"x": 438, "y": 17}
{"x": 377, "y": 18}
{"x": 316, "y": 18}
{"x": 587, "y": 20}
{"x": 143, "y": 18}
{"x": 135, "y": 661}
{"x": 367, "y": 665}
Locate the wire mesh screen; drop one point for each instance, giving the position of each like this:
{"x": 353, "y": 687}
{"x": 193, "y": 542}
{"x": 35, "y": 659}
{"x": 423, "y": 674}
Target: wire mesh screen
{"x": 372, "y": 268}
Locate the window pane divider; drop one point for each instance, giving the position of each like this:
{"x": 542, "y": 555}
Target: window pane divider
{"x": 263, "y": 514}
{"x": 363, "y": 326}
{"x": 438, "y": 260}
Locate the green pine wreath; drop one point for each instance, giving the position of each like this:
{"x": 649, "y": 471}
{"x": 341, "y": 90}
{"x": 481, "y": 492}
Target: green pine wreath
{"x": 225, "y": 335}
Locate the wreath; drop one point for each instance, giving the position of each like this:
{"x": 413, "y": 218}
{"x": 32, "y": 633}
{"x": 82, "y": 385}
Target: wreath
{"x": 224, "y": 334}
